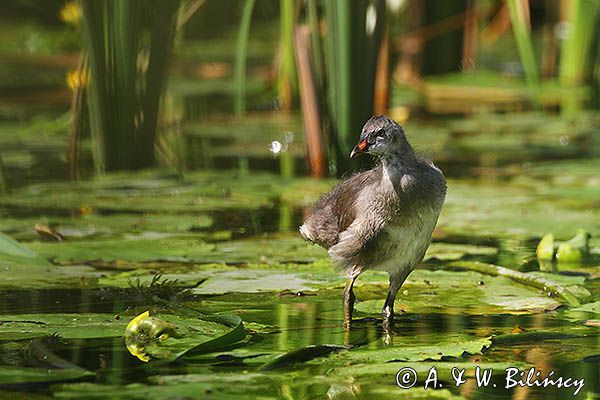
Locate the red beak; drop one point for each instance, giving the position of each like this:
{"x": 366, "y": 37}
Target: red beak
{"x": 361, "y": 147}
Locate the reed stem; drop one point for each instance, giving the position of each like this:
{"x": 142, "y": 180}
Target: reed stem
{"x": 241, "y": 58}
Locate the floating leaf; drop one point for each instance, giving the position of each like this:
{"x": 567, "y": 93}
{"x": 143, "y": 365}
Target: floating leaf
{"x": 448, "y": 347}
{"x": 13, "y": 253}
{"x": 183, "y": 248}
{"x": 22, "y": 375}
{"x": 589, "y": 311}
{"x": 22, "y": 268}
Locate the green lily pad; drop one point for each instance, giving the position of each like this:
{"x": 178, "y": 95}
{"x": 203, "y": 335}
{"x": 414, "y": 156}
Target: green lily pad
{"x": 448, "y": 347}
{"x": 154, "y": 247}
{"x": 182, "y": 248}
{"x": 182, "y": 337}
{"x": 68, "y": 326}
{"x": 12, "y": 253}
{"x": 452, "y": 251}
{"x": 21, "y": 375}
{"x": 589, "y": 311}
{"x": 515, "y": 298}
{"x": 422, "y": 368}
{"x": 152, "y": 192}
{"x": 114, "y": 225}
{"x": 220, "y": 279}
{"x": 459, "y": 292}
{"x": 513, "y": 210}
{"x": 86, "y": 326}
{"x": 22, "y": 268}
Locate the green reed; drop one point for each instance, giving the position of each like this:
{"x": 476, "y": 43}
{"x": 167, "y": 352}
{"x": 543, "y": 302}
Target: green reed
{"x": 126, "y": 81}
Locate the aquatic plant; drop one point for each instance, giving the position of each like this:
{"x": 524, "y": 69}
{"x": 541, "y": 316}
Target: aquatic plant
{"x": 128, "y": 44}
{"x": 343, "y": 56}
{"x": 522, "y": 31}
{"x": 287, "y": 82}
{"x": 143, "y": 332}
{"x": 240, "y": 58}
{"x": 574, "y": 68}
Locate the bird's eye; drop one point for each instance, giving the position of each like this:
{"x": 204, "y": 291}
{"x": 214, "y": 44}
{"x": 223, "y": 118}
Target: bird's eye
{"x": 371, "y": 139}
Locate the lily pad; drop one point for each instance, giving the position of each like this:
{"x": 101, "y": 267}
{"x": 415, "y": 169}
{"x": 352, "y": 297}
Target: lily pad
{"x": 220, "y": 279}
{"x": 21, "y": 268}
{"x": 452, "y": 251}
{"x": 113, "y": 225}
{"x": 449, "y": 347}
{"x": 12, "y": 253}
{"x": 21, "y": 375}
{"x": 459, "y": 292}
{"x": 164, "y": 247}
{"x": 513, "y": 210}
{"x": 68, "y": 326}
{"x": 182, "y": 248}
{"x": 589, "y": 311}
{"x": 86, "y": 326}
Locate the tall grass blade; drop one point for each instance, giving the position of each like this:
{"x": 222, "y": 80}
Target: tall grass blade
{"x": 522, "y": 33}
{"x": 595, "y": 65}
{"x": 4, "y": 189}
{"x": 240, "y": 58}
{"x": 581, "y": 16}
{"x": 288, "y": 86}
{"x": 124, "y": 94}
{"x": 93, "y": 30}
{"x": 342, "y": 36}
{"x": 163, "y": 24}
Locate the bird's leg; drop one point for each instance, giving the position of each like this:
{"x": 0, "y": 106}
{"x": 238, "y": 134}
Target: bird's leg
{"x": 348, "y": 301}
{"x": 396, "y": 281}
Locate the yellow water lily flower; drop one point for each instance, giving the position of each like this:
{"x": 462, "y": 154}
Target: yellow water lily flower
{"x": 77, "y": 78}
{"x": 132, "y": 331}
{"x": 70, "y": 13}
{"x": 143, "y": 332}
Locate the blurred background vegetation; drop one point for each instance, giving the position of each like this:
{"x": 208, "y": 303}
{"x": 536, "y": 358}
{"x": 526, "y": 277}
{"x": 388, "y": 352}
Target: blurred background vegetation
{"x": 92, "y": 86}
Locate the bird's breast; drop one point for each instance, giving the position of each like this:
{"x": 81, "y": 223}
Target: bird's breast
{"x": 405, "y": 241}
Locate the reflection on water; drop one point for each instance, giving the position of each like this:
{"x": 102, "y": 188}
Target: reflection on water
{"x": 315, "y": 320}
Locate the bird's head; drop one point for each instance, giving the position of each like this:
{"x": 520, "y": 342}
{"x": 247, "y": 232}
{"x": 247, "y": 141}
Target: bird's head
{"x": 382, "y": 136}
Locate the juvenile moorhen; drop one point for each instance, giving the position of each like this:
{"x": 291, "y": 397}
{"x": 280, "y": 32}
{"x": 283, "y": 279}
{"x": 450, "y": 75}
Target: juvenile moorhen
{"x": 382, "y": 218}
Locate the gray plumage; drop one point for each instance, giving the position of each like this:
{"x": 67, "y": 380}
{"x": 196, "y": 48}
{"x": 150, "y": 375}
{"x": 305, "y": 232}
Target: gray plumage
{"x": 382, "y": 218}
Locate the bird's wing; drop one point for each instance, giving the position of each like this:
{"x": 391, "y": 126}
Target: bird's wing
{"x": 355, "y": 241}
{"x": 358, "y": 231}
{"x": 336, "y": 211}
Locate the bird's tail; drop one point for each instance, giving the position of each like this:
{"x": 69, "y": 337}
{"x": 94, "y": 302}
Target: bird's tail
{"x": 305, "y": 232}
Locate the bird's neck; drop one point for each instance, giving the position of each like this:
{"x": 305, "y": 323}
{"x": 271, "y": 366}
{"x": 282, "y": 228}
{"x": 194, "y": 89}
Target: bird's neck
{"x": 398, "y": 169}
{"x": 395, "y": 163}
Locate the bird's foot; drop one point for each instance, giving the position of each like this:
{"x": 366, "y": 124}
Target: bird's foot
{"x": 388, "y": 324}
{"x": 348, "y": 303}
{"x": 388, "y": 317}
{"x": 348, "y": 307}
